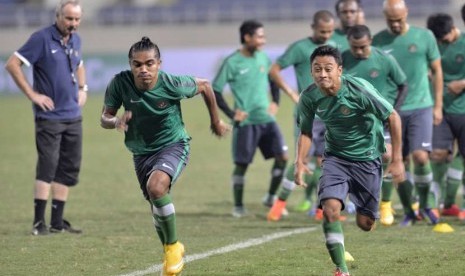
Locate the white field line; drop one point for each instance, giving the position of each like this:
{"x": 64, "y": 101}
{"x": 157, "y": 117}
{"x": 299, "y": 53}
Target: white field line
{"x": 226, "y": 249}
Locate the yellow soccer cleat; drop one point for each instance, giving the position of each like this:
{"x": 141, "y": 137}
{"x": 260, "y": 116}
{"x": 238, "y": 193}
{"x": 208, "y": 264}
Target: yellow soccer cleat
{"x": 348, "y": 257}
{"x": 443, "y": 228}
{"x": 174, "y": 261}
{"x": 386, "y": 215}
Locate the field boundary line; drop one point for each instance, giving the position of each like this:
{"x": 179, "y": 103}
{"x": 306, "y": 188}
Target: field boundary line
{"x": 227, "y": 249}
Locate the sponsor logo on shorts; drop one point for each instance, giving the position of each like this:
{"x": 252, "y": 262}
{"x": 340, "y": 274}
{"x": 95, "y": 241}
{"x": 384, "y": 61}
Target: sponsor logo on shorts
{"x": 166, "y": 166}
{"x": 425, "y": 144}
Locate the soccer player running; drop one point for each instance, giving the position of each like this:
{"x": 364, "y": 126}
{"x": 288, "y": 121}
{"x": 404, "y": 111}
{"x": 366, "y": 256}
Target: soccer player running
{"x": 451, "y": 43}
{"x": 354, "y": 113}
{"x": 297, "y": 55}
{"x": 380, "y": 69}
{"x": 155, "y": 134}
{"x": 416, "y": 48}
{"x": 58, "y": 93}
{"x": 246, "y": 72}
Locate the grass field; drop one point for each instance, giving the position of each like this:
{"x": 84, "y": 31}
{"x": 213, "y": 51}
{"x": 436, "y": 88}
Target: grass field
{"x": 119, "y": 237}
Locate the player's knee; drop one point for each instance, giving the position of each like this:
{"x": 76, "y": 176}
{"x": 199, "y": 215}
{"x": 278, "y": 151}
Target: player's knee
{"x": 420, "y": 157}
{"x": 439, "y": 155}
{"x": 365, "y": 223}
{"x": 158, "y": 184}
{"x": 332, "y": 209}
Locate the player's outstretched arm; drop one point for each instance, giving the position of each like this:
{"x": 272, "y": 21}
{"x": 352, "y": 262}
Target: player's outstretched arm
{"x": 109, "y": 120}
{"x": 217, "y": 126}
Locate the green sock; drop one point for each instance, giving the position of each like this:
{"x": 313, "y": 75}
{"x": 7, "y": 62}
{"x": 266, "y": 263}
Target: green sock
{"x": 423, "y": 178}
{"x": 277, "y": 173}
{"x": 439, "y": 173}
{"x": 334, "y": 237}
{"x": 286, "y": 189}
{"x": 238, "y": 181}
{"x": 160, "y": 234}
{"x": 290, "y": 172}
{"x": 386, "y": 187}
{"x": 405, "y": 195}
{"x": 453, "y": 181}
{"x": 163, "y": 212}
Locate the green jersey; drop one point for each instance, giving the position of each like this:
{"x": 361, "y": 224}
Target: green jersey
{"x": 353, "y": 118}
{"x": 414, "y": 50}
{"x": 248, "y": 79}
{"x": 380, "y": 69}
{"x": 340, "y": 38}
{"x": 453, "y": 68}
{"x": 298, "y": 55}
{"x": 156, "y": 114}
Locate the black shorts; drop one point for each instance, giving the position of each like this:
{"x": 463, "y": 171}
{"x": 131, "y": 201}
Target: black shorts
{"x": 267, "y": 137}
{"x": 59, "y": 150}
{"x": 172, "y": 160}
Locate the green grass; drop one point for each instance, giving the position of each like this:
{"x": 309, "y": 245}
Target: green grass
{"x": 119, "y": 236}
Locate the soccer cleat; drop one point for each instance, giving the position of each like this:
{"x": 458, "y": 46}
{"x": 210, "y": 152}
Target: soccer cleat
{"x": 348, "y": 257}
{"x": 174, "y": 261}
{"x": 431, "y": 215}
{"x": 462, "y": 215}
{"x": 303, "y": 206}
{"x": 386, "y": 216}
{"x": 39, "y": 229}
{"x": 239, "y": 211}
{"x": 338, "y": 272}
{"x": 66, "y": 227}
{"x": 276, "y": 210}
{"x": 318, "y": 214}
{"x": 409, "y": 220}
{"x": 452, "y": 211}
{"x": 268, "y": 200}
{"x": 443, "y": 228}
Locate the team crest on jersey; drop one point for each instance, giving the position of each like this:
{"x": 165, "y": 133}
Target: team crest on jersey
{"x": 262, "y": 69}
{"x": 459, "y": 58}
{"x": 412, "y": 48}
{"x": 162, "y": 104}
{"x": 345, "y": 110}
{"x": 374, "y": 73}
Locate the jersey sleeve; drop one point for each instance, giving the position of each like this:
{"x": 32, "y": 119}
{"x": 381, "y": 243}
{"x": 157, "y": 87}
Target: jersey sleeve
{"x": 396, "y": 73}
{"x": 433, "y": 50}
{"x": 29, "y": 52}
{"x": 113, "y": 96}
{"x": 305, "y": 115}
{"x": 223, "y": 76}
{"x": 375, "y": 103}
{"x": 180, "y": 87}
{"x": 289, "y": 57}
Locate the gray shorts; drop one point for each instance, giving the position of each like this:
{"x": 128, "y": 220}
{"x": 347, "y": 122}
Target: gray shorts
{"x": 267, "y": 137}
{"x": 59, "y": 150}
{"x": 318, "y": 137}
{"x": 361, "y": 180}
{"x": 417, "y": 130}
{"x": 171, "y": 160}
{"x": 452, "y": 127}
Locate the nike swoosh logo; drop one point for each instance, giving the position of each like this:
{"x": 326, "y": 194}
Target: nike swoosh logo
{"x": 320, "y": 110}
{"x": 54, "y": 51}
{"x": 243, "y": 71}
{"x": 166, "y": 166}
{"x": 135, "y": 101}
{"x": 388, "y": 51}
{"x": 425, "y": 144}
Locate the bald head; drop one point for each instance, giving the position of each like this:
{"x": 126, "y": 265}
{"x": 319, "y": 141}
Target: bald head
{"x": 395, "y": 12}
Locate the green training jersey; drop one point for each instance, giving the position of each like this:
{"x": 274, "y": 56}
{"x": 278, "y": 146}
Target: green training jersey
{"x": 453, "y": 68}
{"x": 298, "y": 55}
{"x": 248, "y": 79}
{"x": 340, "y": 38}
{"x": 380, "y": 69}
{"x": 414, "y": 51}
{"x": 156, "y": 114}
{"x": 353, "y": 118}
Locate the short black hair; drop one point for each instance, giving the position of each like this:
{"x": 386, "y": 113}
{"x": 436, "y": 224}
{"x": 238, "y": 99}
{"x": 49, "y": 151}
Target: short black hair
{"x": 327, "y": 50}
{"x": 145, "y": 44}
{"x": 249, "y": 27}
{"x": 463, "y": 13}
{"x": 322, "y": 15}
{"x": 336, "y": 7}
{"x": 440, "y": 24}
{"x": 358, "y": 31}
